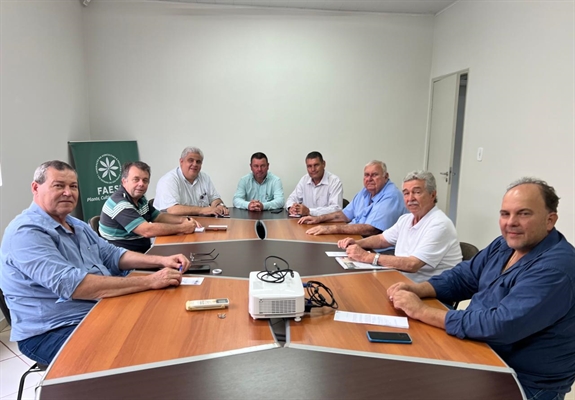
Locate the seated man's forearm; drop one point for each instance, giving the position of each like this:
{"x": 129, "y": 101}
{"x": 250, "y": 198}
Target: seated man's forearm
{"x": 373, "y": 242}
{"x": 95, "y": 287}
{"x": 179, "y": 209}
{"x": 406, "y": 264}
{"x": 355, "y": 229}
{"x": 431, "y": 316}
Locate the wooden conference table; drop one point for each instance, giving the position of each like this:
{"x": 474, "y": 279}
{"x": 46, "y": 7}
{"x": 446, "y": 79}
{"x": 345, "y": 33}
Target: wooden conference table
{"x": 146, "y": 345}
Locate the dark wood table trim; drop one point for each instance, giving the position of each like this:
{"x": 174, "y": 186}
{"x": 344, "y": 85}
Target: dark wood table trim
{"x": 287, "y": 373}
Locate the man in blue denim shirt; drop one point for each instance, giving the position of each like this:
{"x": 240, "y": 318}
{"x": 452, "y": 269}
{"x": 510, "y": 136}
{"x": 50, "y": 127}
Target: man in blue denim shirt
{"x": 54, "y": 267}
{"x": 522, "y": 291}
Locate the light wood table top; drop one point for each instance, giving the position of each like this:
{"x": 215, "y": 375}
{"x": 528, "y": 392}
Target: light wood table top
{"x": 367, "y": 293}
{"x": 154, "y": 326}
{"x": 290, "y": 230}
{"x": 237, "y": 229}
{"x": 151, "y": 329}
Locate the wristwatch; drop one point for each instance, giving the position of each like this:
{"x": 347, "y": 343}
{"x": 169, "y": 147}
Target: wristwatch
{"x": 375, "y": 259}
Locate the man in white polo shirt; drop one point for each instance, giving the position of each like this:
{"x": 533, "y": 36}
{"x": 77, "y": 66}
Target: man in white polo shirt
{"x": 425, "y": 239}
{"x": 187, "y": 190}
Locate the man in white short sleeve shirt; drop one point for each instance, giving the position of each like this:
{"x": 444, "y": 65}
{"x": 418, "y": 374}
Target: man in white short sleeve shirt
{"x": 188, "y": 191}
{"x": 425, "y": 239}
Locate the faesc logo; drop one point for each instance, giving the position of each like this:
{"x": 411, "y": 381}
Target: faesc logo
{"x": 108, "y": 168}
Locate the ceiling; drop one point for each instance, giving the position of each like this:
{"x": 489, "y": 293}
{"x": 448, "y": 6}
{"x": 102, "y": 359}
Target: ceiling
{"x": 375, "y": 6}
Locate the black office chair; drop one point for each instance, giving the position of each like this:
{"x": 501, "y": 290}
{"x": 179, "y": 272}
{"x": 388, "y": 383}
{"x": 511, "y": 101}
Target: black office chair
{"x": 151, "y": 202}
{"x": 37, "y": 367}
{"x": 95, "y": 224}
{"x": 345, "y": 203}
{"x": 468, "y": 251}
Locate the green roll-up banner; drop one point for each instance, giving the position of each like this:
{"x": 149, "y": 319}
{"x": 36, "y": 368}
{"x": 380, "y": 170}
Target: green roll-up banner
{"x": 99, "y": 166}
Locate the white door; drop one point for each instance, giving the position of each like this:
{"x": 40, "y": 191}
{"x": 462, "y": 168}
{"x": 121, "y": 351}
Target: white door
{"x": 442, "y": 136}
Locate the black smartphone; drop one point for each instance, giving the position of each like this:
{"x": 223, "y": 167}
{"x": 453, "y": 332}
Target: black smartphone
{"x": 388, "y": 337}
{"x": 200, "y": 269}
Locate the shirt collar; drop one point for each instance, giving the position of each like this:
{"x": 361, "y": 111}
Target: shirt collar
{"x": 50, "y": 222}
{"x": 323, "y": 181}
{"x": 126, "y": 195}
{"x": 380, "y": 194}
{"x": 182, "y": 177}
{"x": 264, "y": 181}
{"x": 425, "y": 217}
{"x": 552, "y": 238}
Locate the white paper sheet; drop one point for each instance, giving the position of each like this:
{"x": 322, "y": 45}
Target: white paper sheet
{"x": 372, "y": 319}
{"x": 336, "y": 253}
{"x": 347, "y": 263}
{"x": 192, "y": 280}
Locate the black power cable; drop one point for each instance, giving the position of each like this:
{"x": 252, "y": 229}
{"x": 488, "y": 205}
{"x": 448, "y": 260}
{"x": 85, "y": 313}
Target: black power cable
{"x": 275, "y": 276}
{"x": 316, "y": 298}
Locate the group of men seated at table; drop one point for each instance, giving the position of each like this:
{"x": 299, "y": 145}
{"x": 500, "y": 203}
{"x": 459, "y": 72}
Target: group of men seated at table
{"x": 522, "y": 286}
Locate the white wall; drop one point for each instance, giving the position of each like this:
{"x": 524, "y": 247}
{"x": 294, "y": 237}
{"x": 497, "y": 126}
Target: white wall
{"x": 236, "y": 81}
{"x": 520, "y": 106}
{"x": 43, "y": 99}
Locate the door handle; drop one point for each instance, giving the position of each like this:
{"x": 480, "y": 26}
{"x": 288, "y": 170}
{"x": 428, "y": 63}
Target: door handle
{"x": 447, "y": 175}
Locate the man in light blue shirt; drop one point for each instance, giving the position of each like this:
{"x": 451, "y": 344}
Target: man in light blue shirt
{"x": 374, "y": 209}
{"x": 54, "y": 267}
{"x": 261, "y": 190}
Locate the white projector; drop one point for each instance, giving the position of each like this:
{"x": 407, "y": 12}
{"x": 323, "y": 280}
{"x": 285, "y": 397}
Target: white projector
{"x": 276, "y": 300}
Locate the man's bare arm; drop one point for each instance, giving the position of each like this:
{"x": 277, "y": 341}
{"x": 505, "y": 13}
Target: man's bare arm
{"x": 179, "y": 209}
{"x": 348, "y": 229}
{"x": 95, "y": 287}
{"x": 373, "y": 242}
{"x": 148, "y": 229}
{"x": 336, "y": 216}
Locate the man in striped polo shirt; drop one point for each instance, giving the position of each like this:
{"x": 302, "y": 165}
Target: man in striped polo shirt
{"x": 128, "y": 220}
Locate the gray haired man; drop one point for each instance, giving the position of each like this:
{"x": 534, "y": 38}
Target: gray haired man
{"x": 188, "y": 191}
{"x": 425, "y": 239}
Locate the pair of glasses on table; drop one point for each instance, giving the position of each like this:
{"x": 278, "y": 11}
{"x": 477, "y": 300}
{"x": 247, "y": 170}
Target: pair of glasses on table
{"x": 203, "y": 257}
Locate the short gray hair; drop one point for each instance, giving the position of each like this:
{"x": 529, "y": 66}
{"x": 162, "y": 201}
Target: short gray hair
{"x": 40, "y": 173}
{"x": 380, "y": 164}
{"x": 547, "y": 192}
{"x": 430, "y": 184}
{"x": 189, "y": 150}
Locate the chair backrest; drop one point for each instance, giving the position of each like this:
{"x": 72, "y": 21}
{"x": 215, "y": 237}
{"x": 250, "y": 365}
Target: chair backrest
{"x": 468, "y": 250}
{"x": 4, "y": 308}
{"x": 95, "y": 223}
{"x": 345, "y": 203}
{"x": 151, "y": 202}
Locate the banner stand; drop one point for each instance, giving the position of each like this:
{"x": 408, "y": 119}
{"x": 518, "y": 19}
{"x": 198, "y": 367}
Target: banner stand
{"x": 99, "y": 168}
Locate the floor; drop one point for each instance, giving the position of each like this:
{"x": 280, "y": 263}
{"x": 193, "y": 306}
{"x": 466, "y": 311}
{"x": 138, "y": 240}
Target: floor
{"x": 13, "y": 364}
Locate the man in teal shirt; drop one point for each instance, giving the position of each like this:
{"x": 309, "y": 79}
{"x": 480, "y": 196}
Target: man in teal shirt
{"x": 261, "y": 190}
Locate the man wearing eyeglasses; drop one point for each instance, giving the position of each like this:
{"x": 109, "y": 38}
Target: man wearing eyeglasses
{"x": 374, "y": 209}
